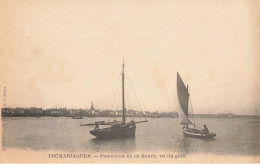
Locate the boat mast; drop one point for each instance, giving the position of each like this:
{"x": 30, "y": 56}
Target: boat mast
{"x": 191, "y": 108}
{"x": 123, "y": 93}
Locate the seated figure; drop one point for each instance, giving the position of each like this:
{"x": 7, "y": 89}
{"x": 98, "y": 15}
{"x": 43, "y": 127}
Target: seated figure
{"x": 205, "y": 130}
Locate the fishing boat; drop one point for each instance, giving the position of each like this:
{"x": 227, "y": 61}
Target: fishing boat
{"x": 77, "y": 117}
{"x": 115, "y": 129}
{"x": 183, "y": 95}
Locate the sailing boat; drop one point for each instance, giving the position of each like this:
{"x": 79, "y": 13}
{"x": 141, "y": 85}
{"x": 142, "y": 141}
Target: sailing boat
{"x": 77, "y": 117}
{"x": 116, "y": 129}
{"x": 183, "y": 95}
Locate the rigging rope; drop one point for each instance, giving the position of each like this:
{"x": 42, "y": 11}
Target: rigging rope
{"x": 192, "y": 112}
{"x": 134, "y": 92}
{"x": 128, "y": 98}
{"x": 119, "y": 95}
{"x": 193, "y": 115}
{"x": 116, "y": 91}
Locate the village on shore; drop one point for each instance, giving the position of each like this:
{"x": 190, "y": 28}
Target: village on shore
{"x": 92, "y": 112}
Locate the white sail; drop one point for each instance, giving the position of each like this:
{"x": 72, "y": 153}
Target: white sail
{"x": 183, "y": 118}
{"x": 183, "y": 96}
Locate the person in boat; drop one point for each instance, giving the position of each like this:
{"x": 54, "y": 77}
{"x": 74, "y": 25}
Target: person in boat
{"x": 205, "y": 130}
{"x": 96, "y": 127}
{"x": 185, "y": 126}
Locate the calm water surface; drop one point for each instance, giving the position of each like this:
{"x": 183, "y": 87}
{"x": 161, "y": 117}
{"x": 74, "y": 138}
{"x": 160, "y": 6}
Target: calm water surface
{"x": 234, "y": 136}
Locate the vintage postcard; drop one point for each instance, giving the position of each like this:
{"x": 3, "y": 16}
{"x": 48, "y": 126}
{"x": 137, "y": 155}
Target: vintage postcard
{"x": 134, "y": 81}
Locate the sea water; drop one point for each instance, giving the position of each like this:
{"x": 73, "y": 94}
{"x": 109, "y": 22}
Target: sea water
{"x": 235, "y": 136}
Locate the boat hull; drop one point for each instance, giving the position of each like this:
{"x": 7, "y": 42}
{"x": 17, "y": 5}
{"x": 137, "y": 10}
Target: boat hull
{"x": 197, "y": 134}
{"x": 77, "y": 117}
{"x": 121, "y": 131}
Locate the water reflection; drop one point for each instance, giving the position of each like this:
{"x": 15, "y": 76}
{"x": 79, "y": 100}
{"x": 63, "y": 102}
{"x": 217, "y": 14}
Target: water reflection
{"x": 189, "y": 145}
{"x": 183, "y": 145}
{"x": 162, "y": 134}
{"x": 113, "y": 144}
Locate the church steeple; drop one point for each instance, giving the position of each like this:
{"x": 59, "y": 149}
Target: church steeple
{"x": 92, "y": 107}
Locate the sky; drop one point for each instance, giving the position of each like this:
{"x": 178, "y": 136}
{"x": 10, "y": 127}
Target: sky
{"x": 69, "y": 53}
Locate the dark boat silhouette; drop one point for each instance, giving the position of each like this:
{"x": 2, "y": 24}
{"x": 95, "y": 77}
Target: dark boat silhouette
{"x": 183, "y": 95}
{"x": 77, "y": 117}
{"x": 115, "y": 129}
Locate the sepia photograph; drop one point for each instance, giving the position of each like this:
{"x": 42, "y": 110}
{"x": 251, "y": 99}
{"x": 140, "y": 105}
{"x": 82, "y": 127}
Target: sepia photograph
{"x": 94, "y": 81}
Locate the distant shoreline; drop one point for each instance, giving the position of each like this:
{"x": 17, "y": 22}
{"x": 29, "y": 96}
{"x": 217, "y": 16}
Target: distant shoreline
{"x": 226, "y": 116}
{"x": 64, "y": 112}
{"x": 234, "y": 117}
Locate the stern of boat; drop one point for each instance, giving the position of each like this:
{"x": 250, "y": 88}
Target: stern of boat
{"x": 195, "y": 133}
